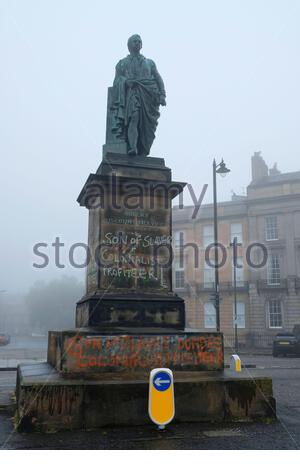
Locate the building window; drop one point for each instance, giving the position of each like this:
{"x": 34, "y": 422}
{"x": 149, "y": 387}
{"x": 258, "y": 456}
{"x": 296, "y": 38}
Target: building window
{"x": 179, "y": 276}
{"x": 273, "y": 269}
{"x": 240, "y": 313}
{"x": 209, "y": 315}
{"x": 275, "y": 313}
{"x": 209, "y": 275}
{"x": 271, "y": 227}
{"x": 236, "y": 230}
{"x": 179, "y": 279}
{"x": 239, "y": 272}
{"x": 178, "y": 239}
{"x": 208, "y": 235}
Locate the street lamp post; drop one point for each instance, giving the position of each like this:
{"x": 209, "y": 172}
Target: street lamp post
{"x": 236, "y": 342}
{"x": 221, "y": 170}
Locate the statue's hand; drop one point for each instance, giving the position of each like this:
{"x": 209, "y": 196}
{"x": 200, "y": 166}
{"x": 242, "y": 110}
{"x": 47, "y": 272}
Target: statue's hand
{"x": 162, "y": 100}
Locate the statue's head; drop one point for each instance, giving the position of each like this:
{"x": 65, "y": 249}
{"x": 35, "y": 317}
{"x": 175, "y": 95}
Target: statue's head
{"x": 134, "y": 43}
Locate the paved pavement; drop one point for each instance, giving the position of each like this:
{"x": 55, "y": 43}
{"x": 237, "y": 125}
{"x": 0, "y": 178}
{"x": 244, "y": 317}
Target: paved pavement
{"x": 284, "y": 434}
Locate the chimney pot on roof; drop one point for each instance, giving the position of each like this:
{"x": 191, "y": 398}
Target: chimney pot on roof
{"x": 274, "y": 170}
{"x": 259, "y": 167}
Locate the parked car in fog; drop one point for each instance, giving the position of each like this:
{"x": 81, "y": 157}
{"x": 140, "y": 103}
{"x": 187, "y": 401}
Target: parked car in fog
{"x": 286, "y": 343}
{"x": 296, "y": 331}
{"x": 4, "y": 339}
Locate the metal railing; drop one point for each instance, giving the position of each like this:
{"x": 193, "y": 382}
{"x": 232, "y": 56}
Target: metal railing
{"x": 250, "y": 340}
{"x": 197, "y": 287}
{"x": 264, "y": 285}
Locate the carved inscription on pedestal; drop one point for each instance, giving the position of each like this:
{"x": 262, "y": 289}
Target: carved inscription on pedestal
{"x": 135, "y": 250}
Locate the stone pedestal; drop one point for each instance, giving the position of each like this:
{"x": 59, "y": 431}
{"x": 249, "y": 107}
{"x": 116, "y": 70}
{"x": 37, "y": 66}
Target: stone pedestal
{"x": 89, "y": 353}
{"x": 129, "y": 276}
{"x": 132, "y": 310}
{"x": 130, "y": 320}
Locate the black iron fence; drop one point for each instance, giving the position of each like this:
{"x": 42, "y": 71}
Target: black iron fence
{"x": 250, "y": 341}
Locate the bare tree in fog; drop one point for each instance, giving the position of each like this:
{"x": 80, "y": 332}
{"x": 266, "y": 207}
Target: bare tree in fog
{"x": 51, "y": 305}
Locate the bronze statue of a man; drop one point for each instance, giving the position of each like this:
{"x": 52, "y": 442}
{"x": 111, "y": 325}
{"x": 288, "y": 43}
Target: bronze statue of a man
{"x": 138, "y": 91}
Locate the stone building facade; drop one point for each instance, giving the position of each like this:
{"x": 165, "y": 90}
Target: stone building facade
{"x": 266, "y": 223}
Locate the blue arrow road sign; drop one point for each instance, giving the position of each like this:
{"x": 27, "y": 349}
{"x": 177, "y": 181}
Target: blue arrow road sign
{"x": 161, "y": 381}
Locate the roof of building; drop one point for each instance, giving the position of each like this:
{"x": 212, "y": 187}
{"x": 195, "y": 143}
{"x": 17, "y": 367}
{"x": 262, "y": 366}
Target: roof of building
{"x": 277, "y": 179}
{"x": 238, "y": 205}
{"x": 234, "y": 208}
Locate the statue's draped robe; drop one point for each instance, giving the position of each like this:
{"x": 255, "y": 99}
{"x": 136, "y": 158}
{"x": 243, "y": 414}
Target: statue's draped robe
{"x": 143, "y": 97}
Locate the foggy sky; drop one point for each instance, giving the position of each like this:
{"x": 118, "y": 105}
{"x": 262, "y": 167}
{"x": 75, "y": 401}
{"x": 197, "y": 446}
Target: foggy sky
{"x": 231, "y": 70}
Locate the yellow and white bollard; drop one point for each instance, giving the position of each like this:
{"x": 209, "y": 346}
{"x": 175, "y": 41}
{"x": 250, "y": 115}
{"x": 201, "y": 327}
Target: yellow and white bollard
{"x": 235, "y": 363}
{"x": 161, "y": 404}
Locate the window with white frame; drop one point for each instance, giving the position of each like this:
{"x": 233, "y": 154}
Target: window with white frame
{"x": 275, "y": 313}
{"x": 208, "y": 235}
{"x": 239, "y": 271}
{"x": 273, "y": 269}
{"x": 236, "y": 230}
{"x": 209, "y": 315}
{"x": 179, "y": 275}
{"x": 178, "y": 237}
{"x": 240, "y": 314}
{"x": 271, "y": 227}
{"x": 208, "y": 275}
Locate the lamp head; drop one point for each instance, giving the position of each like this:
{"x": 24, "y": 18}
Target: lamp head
{"x": 222, "y": 170}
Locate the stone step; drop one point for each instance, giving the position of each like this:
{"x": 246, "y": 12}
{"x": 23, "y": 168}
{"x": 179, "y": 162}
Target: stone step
{"x": 47, "y": 402}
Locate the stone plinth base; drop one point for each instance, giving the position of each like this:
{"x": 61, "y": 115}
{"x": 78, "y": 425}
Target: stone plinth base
{"x": 48, "y": 402}
{"x": 90, "y": 353}
{"x": 150, "y": 168}
{"x": 130, "y": 310}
